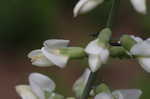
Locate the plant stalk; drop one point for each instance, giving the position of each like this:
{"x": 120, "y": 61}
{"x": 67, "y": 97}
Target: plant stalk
{"x": 92, "y": 77}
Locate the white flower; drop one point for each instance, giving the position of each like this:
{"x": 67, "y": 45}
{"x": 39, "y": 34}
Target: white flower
{"x": 103, "y": 95}
{"x": 50, "y": 54}
{"x": 98, "y": 55}
{"x": 145, "y": 63}
{"x": 38, "y": 85}
{"x": 84, "y": 6}
{"x": 81, "y": 82}
{"x": 127, "y": 94}
{"x": 25, "y": 92}
{"x": 142, "y": 51}
{"x": 120, "y": 94}
{"x": 38, "y": 58}
{"x": 137, "y": 39}
{"x": 139, "y": 6}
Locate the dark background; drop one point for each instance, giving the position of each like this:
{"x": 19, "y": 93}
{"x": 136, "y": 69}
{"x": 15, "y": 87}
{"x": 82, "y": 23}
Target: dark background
{"x": 25, "y": 24}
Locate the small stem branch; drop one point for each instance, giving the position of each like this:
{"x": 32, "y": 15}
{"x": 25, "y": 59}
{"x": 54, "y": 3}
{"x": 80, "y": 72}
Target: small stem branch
{"x": 113, "y": 10}
{"x": 114, "y": 6}
{"x": 88, "y": 86}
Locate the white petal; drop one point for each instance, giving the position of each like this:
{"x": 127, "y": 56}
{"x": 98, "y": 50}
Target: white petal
{"x": 41, "y": 83}
{"x": 127, "y": 94}
{"x": 139, "y": 6}
{"x": 95, "y": 62}
{"x": 56, "y": 43}
{"x": 85, "y": 75}
{"x": 145, "y": 63}
{"x": 141, "y": 49}
{"x": 55, "y": 58}
{"x": 25, "y": 92}
{"x": 84, "y": 78}
{"x": 104, "y": 55}
{"x": 80, "y": 83}
{"x": 148, "y": 39}
{"x": 137, "y": 39}
{"x": 84, "y": 6}
{"x": 94, "y": 48}
{"x": 38, "y": 59}
{"x": 103, "y": 96}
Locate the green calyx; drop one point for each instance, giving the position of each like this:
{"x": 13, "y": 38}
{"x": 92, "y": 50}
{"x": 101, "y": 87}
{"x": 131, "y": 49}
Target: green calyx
{"x": 73, "y": 52}
{"x": 104, "y": 36}
{"x": 127, "y": 42}
{"x": 102, "y": 88}
{"x": 78, "y": 88}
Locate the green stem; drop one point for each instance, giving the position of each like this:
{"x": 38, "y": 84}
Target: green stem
{"x": 88, "y": 86}
{"x": 114, "y": 6}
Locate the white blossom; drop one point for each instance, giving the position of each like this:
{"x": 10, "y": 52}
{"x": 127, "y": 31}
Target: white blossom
{"x": 139, "y": 6}
{"x": 38, "y": 58}
{"x": 38, "y": 85}
{"x": 50, "y": 54}
{"x": 120, "y": 94}
{"x": 84, "y": 6}
{"x": 81, "y": 82}
{"x": 103, "y": 95}
{"x": 25, "y": 92}
{"x": 98, "y": 54}
{"x": 142, "y": 51}
{"x": 137, "y": 39}
{"x": 145, "y": 63}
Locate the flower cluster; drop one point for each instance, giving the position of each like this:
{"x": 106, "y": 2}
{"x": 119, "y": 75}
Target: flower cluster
{"x": 56, "y": 52}
{"x": 98, "y": 51}
{"x": 42, "y": 87}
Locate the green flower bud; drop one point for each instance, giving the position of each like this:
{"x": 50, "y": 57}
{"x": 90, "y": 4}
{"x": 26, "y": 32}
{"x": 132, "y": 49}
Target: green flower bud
{"x": 102, "y": 88}
{"x": 118, "y": 52}
{"x": 104, "y": 36}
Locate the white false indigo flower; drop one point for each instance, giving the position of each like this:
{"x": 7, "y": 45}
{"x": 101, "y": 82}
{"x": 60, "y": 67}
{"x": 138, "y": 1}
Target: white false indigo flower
{"x": 38, "y": 58}
{"x": 104, "y": 96}
{"x": 81, "y": 82}
{"x": 39, "y": 86}
{"x": 84, "y": 6}
{"x": 142, "y": 51}
{"x": 120, "y": 94}
{"x": 50, "y": 54}
{"x": 98, "y": 54}
{"x": 139, "y": 6}
{"x": 25, "y": 92}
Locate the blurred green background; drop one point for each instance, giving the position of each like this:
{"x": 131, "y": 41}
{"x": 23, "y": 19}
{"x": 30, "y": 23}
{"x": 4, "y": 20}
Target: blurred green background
{"x": 25, "y": 24}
